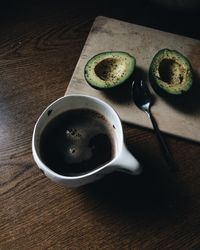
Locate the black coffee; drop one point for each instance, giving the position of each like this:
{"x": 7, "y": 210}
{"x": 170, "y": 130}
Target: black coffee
{"x": 76, "y": 142}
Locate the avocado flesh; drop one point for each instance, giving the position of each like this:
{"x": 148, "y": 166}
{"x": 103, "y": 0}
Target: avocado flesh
{"x": 171, "y": 72}
{"x": 109, "y": 69}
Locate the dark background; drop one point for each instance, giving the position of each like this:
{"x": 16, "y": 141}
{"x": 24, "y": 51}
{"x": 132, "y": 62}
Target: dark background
{"x": 177, "y": 19}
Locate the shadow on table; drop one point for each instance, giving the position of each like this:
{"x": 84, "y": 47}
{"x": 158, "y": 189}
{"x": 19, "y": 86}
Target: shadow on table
{"x": 155, "y": 191}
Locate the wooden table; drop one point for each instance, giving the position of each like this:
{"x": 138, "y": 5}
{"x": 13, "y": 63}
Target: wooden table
{"x": 40, "y": 43}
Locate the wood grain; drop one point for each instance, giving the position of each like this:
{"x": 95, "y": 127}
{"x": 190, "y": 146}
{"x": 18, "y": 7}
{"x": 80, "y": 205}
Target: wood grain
{"x": 40, "y": 43}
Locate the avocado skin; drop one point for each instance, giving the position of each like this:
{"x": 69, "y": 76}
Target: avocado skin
{"x": 154, "y": 80}
{"x": 115, "y": 86}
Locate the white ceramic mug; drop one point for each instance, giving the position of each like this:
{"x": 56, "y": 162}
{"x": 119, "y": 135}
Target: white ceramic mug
{"x": 123, "y": 159}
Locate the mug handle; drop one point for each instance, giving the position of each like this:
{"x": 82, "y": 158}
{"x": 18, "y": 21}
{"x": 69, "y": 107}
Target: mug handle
{"x": 127, "y": 163}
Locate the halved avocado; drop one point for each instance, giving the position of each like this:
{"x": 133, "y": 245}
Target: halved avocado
{"x": 170, "y": 72}
{"x": 109, "y": 69}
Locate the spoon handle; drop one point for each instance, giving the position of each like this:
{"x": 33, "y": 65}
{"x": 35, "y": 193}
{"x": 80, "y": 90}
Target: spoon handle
{"x": 168, "y": 156}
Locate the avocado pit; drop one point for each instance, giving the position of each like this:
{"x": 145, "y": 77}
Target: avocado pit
{"x": 171, "y": 72}
{"x": 109, "y": 69}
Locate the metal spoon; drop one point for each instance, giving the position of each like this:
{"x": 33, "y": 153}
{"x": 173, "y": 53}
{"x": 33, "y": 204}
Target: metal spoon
{"x": 143, "y": 100}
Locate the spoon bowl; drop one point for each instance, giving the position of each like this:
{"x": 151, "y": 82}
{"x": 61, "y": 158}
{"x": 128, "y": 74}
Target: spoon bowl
{"x": 142, "y": 96}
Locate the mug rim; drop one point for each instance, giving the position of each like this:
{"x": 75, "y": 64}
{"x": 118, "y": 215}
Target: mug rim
{"x": 42, "y": 166}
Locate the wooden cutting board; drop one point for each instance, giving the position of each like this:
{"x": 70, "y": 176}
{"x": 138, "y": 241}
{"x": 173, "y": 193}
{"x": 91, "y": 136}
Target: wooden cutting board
{"x": 180, "y": 118}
